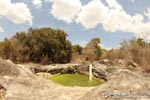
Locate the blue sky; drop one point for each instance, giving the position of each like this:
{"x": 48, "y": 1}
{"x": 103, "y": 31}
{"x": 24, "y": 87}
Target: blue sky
{"x": 110, "y": 20}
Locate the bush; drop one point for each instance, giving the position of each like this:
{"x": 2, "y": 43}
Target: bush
{"x": 134, "y": 50}
{"x": 42, "y": 45}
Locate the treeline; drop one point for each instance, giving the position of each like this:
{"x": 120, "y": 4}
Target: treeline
{"x": 45, "y": 46}
{"x": 133, "y": 50}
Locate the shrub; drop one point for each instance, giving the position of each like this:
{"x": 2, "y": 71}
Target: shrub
{"x": 134, "y": 50}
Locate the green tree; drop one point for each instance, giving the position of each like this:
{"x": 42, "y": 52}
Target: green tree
{"x": 93, "y": 49}
{"x": 77, "y": 49}
{"x": 140, "y": 42}
{"x": 137, "y": 42}
{"x": 44, "y": 45}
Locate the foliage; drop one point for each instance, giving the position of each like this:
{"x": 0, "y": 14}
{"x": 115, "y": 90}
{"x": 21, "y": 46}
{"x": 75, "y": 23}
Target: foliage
{"x": 7, "y": 50}
{"x": 43, "y": 45}
{"x": 133, "y": 50}
{"x": 77, "y": 49}
{"x": 47, "y": 45}
{"x": 93, "y": 51}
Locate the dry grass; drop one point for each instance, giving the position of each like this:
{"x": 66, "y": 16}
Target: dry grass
{"x": 140, "y": 55}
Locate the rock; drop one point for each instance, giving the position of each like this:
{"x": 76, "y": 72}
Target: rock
{"x": 8, "y": 68}
{"x": 111, "y": 69}
{"x": 43, "y": 75}
{"x": 26, "y": 86}
{"x": 118, "y": 62}
{"x": 98, "y": 70}
{"x": 83, "y": 69}
{"x": 100, "y": 74}
{"x": 40, "y": 89}
{"x": 48, "y": 69}
{"x": 106, "y": 62}
{"x": 133, "y": 64}
{"x": 69, "y": 70}
{"x": 11, "y": 70}
{"x": 19, "y": 83}
{"x": 55, "y": 69}
{"x": 123, "y": 82}
{"x": 125, "y": 63}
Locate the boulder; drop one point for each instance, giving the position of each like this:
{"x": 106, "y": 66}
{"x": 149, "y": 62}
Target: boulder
{"x": 125, "y": 63}
{"x": 55, "y": 69}
{"x": 18, "y": 83}
{"x": 43, "y": 75}
{"x": 123, "y": 84}
{"x": 8, "y": 68}
{"x": 83, "y": 69}
{"x": 106, "y": 62}
{"x": 69, "y": 70}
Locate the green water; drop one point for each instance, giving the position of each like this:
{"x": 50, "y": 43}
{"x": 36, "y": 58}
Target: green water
{"x": 75, "y": 80}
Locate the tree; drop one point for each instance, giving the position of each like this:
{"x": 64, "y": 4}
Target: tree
{"x": 7, "y": 51}
{"x": 140, "y": 42}
{"x": 137, "y": 42}
{"x": 43, "y": 45}
{"x": 77, "y": 49}
{"x": 93, "y": 50}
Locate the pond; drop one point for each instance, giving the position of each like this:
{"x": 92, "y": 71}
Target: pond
{"x": 75, "y": 80}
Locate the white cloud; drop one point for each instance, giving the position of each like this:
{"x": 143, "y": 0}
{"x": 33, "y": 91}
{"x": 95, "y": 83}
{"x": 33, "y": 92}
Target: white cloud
{"x": 114, "y": 4}
{"x": 141, "y": 29}
{"x": 132, "y": 1}
{"x": 103, "y": 47}
{"x": 18, "y": 13}
{"x": 121, "y": 21}
{"x": 117, "y": 20}
{"x": 147, "y": 14}
{"x": 112, "y": 17}
{"x": 37, "y": 3}
{"x": 92, "y": 14}
{"x": 65, "y": 9}
{"x": 1, "y": 29}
